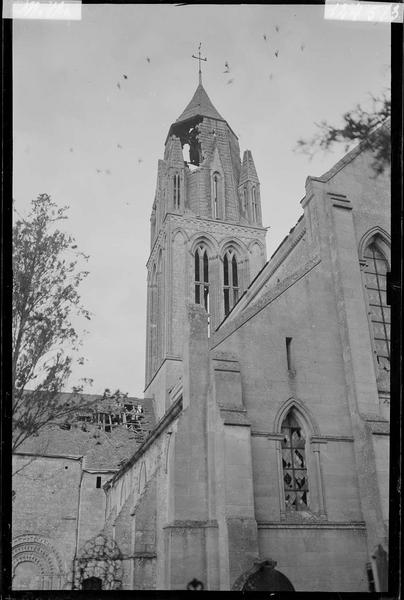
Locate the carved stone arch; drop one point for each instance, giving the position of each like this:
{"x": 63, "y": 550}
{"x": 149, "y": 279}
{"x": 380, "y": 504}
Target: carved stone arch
{"x": 381, "y": 237}
{"x": 302, "y": 412}
{"x": 179, "y": 231}
{"x": 238, "y": 245}
{"x": 99, "y": 558}
{"x": 204, "y": 239}
{"x": 255, "y": 243}
{"x": 31, "y": 548}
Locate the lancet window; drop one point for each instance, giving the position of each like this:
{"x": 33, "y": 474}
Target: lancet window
{"x": 176, "y": 191}
{"x": 230, "y": 281}
{"x": 379, "y": 312}
{"x": 254, "y": 206}
{"x": 217, "y": 196}
{"x": 295, "y": 481}
{"x": 202, "y": 277}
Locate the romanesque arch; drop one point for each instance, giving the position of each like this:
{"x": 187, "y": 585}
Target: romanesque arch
{"x": 36, "y": 564}
{"x": 99, "y": 564}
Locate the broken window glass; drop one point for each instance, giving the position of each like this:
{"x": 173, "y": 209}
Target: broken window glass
{"x": 379, "y": 311}
{"x": 294, "y": 465}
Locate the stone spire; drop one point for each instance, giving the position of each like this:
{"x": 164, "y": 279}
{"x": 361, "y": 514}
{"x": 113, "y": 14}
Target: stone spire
{"x": 248, "y": 172}
{"x": 200, "y": 105}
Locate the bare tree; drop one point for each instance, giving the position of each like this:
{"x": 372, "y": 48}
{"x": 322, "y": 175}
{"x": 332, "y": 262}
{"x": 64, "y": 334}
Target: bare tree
{"x": 358, "y": 125}
{"x": 46, "y": 277}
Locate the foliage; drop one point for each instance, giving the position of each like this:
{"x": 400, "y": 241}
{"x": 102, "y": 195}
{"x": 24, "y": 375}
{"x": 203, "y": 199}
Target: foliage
{"x": 46, "y": 277}
{"x": 358, "y": 126}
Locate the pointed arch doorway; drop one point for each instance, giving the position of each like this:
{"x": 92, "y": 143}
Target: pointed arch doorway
{"x": 263, "y": 577}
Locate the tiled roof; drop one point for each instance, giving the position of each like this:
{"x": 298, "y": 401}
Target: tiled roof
{"x": 200, "y": 105}
{"x": 101, "y": 450}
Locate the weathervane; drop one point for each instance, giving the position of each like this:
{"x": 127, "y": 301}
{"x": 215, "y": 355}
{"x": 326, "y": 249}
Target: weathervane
{"x": 199, "y": 58}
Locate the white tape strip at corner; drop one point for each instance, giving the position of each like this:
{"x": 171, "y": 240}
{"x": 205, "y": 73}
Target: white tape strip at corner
{"x": 371, "y": 12}
{"x": 59, "y": 10}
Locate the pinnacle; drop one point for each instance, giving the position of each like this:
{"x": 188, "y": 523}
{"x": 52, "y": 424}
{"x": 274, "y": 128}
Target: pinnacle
{"x": 248, "y": 171}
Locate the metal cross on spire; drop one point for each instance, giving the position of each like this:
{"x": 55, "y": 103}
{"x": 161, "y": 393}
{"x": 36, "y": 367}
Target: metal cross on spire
{"x": 199, "y": 58}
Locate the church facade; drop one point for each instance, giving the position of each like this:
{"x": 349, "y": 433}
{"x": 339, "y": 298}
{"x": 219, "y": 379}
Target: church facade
{"x": 266, "y": 466}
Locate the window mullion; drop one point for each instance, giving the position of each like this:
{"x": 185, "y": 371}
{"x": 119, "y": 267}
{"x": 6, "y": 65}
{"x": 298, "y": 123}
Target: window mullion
{"x": 381, "y": 301}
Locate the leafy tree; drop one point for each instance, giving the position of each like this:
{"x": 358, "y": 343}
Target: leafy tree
{"x": 46, "y": 277}
{"x": 358, "y": 125}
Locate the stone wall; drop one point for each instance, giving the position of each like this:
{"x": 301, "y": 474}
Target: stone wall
{"x": 45, "y": 518}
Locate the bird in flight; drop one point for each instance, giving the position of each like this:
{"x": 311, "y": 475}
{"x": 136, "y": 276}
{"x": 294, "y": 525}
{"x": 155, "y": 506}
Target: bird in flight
{"x": 119, "y": 146}
{"x": 265, "y": 36}
{"x": 302, "y": 47}
{"x": 125, "y": 76}
{"x": 139, "y": 160}
{"x": 148, "y": 59}
{"x": 277, "y": 28}
{"x": 118, "y": 85}
{"x": 276, "y": 53}
{"x": 230, "y": 81}
{"x": 226, "y": 64}
{"x": 98, "y": 170}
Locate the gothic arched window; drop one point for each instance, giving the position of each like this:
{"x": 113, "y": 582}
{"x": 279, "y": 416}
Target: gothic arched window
{"x": 176, "y": 190}
{"x": 295, "y": 481}
{"x": 230, "y": 280}
{"x": 379, "y": 312}
{"x": 217, "y": 196}
{"x": 254, "y": 209}
{"x": 202, "y": 277}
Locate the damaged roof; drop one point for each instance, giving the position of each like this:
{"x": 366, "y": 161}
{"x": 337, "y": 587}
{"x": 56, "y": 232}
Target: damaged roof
{"x": 101, "y": 449}
{"x": 200, "y": 105}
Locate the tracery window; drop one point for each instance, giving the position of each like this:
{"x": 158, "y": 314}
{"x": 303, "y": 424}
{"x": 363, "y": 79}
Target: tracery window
{"x": 375, "y": 280}
{"x": 176, "y": 190}
{"x": 295, "y": 481}
{"x": 230, "y": 281}
{"x": 202, "y": 277}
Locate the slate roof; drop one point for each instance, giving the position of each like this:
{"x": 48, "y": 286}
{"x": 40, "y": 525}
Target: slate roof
{"x": 101, "y": 450}
{"x": 201, "y": 105}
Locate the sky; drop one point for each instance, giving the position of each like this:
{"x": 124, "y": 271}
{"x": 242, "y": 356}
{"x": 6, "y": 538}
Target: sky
{"x": 94, "y": 145}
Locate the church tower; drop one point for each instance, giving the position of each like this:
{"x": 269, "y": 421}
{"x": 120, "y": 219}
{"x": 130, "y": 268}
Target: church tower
{"x": 207, "y": 238}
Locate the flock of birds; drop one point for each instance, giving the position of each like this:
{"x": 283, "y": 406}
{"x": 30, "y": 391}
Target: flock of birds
{"x": 226, "y": 71}
{"x": 276, "y": 54}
